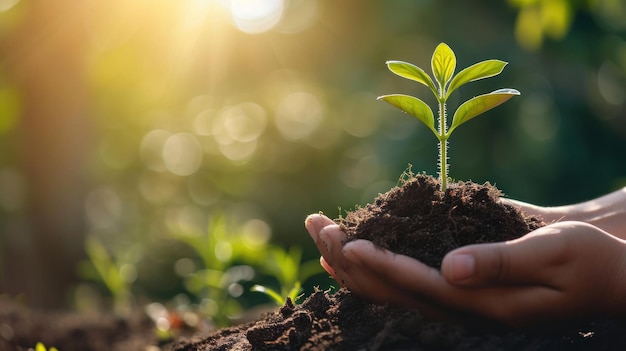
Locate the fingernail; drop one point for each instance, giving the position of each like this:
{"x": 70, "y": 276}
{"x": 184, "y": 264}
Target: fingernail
{"x": 311, "y": 225}
{"x": 310, "y": 219}
{"x": 462, "y": 267}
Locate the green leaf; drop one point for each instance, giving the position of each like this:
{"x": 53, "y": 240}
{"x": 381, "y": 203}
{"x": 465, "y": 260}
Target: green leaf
{"x": 269, "y": 292}
{"x": 412, "y": 72}
{"x": 480, "y": 70}
{"x": 482, "y": 103}
{"x": 443, "y": 64}
{"x": 295, "y": 291}
{"x": 412, "y": 106}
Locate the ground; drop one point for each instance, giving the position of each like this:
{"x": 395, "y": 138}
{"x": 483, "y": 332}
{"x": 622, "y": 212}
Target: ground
{"x": 415, "y": 219}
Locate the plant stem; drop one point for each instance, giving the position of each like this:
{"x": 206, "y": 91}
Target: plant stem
{"x": 443, "y": 144}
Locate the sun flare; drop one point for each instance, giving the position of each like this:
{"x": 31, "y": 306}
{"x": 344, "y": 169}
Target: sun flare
{"x": 256, "y": 16}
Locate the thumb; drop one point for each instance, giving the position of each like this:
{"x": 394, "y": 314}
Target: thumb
{"x": 521, "y": 261}
{"x": 477, "y": 265}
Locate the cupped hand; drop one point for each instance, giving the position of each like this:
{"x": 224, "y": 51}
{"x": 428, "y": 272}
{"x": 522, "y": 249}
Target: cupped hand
{"x": 361, "y": 279}
{"x": 558, "y": 272}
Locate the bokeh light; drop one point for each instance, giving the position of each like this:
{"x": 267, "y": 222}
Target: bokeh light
{"x": 182, "y": 154}
{"x": 298, "y": 115}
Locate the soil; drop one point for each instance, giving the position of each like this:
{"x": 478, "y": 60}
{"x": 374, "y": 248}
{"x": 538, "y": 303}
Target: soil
{"x": 418, "y": 220}
{"x": 21, "y": 328}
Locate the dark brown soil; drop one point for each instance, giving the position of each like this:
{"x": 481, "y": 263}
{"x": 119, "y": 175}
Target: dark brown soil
{"x": 341, "y": 322}
{"x": 419, "y": 220}
{"x": 21, "y": 328}
{"x": 415, "y": 219}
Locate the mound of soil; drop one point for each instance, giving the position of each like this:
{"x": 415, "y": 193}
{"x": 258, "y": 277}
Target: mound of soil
{"x": 418, "y": 220}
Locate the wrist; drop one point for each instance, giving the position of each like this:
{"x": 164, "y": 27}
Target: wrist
{"x": 615, "y": 300}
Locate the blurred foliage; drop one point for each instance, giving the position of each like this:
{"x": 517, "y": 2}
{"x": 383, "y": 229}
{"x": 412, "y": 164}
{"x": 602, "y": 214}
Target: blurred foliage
{"x": 116, "y": 273}
{"x": 204, "y": 108}
{"x": 41, "y": 347}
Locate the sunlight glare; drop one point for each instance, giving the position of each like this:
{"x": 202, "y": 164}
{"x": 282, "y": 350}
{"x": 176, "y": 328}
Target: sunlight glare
{"x": 256, "y": 16}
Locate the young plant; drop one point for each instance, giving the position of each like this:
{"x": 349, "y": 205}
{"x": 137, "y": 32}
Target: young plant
{"x": 220, "y": 248}
{"x": 109, "y": 269}
{"x": 288, "y": 269}
{"x": 443, "y": 64}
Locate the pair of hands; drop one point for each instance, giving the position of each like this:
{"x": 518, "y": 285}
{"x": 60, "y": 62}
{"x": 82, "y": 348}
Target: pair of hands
{"x": 562, "y": 271}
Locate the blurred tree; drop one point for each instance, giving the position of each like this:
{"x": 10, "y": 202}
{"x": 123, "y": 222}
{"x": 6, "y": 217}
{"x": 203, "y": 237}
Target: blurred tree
{"x": 44, "y": 56}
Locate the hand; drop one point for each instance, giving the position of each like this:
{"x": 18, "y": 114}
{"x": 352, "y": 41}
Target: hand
{"x": 559, "y": 272}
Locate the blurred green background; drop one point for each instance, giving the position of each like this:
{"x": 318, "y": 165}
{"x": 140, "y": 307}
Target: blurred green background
{"x": 131, "y": 121}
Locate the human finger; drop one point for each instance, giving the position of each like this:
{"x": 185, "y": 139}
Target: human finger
{"x": 314, "y": 223}
{"x": 328, "y": 268}
{"x": 528, "y": 260}
{"x": 421, "y": 286}
{"x": 376, "y": 287}
{"x": 406, "y": 273}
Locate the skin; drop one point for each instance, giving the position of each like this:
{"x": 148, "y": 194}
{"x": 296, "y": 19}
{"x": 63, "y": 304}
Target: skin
{"x": 573, "y": 268}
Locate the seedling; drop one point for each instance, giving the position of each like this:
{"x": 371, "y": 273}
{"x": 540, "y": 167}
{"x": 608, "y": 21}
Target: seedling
{"x": 287, "y": 268}
{"x": 443, "y": 64}
{"x": 108, "y": 269}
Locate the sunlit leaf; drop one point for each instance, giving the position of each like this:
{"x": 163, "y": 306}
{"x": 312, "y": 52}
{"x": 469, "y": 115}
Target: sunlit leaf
{"x": 295, "y": 291}
{"x": 412, "y": 106}
{"x": 269, "y": 292}
{"x": 482, "y": 103}
{"x": 443, "y": 64}
{"x": 410, "y": 71}
{"x": 480, "y": 70}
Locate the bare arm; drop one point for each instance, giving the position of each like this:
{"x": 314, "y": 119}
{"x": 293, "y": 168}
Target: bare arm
{"x": 607, "y": 212}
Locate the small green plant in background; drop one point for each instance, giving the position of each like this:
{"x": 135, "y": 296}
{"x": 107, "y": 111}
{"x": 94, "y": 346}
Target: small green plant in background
{"x": 443, "y": 64}
{"x": 232, "y": 257}
{"x": 115, "y": 271}
{"x": 41, "y": 347}
{"x": 287, "y": 268}
{"x": 225, "y": 252}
